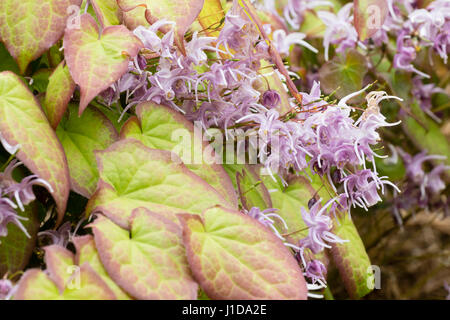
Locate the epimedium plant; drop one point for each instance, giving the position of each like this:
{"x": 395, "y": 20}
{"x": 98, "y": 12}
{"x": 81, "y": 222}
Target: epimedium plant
{"x": 129, "y": 109}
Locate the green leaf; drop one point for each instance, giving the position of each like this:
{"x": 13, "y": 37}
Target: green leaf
{"x": 22, "y": 122}
{"x": 40, "y": 80}
{"x": 6, "y": 61}
{"x": 132, "y": 176}
{"x": 87, "y": 252}
{"x": 289, "y": 200}
{"x": 29, "y": 27}
{"x": 36, "y": 285}
{"x": 369, "y": 17}
{"x": 430, "y": 139}
{"x": 59, "y": 91}
{"x": 107, "y": 12}
{"x": 16, "y": 248}
{"x": 149, "y": 261}
{"x": 160, "y": 127}
{"x": 182, "y": 12}
{"x": 80, "y": 137}
{"x": 84, "y": 48}
{"x": 346, "y": 71}
{"x": 134, "y": 17}
{"x": 63, "y": 280}
{"x": 252, "y": 191}
{"x": 233, "y": 256}
{"x": 59, "y": 263}
{"x": 395, "y": 171}
{"x": 351, "y": 258}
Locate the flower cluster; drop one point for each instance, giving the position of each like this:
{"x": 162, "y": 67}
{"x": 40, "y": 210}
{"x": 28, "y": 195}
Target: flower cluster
{"x": 225, "y": 82}
{"x": 421, "y": 189}
{"x": 14, "y": 195}
{"x": 421, "y": 28}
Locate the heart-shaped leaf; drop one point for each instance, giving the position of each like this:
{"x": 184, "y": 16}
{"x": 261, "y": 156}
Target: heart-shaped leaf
{"x": 182, "y": 12}
{"x": 59, "y": 91}
{"x": 132, "y": 176}
{"x": 160, "y": 127}
{"x": 80, "y": 137}
{"x": 63, "y": 280}
{"x": 149, "y": 261}
{"x": 87, "y": 252}
{"x": 59, "y": 263}
{"x": 96, "y": 61}
{"x": 29, "y": 27}
{"x": 37, "y": 285}
{"x": 351, "y": 258}
{"x": 22, "y": 122}
{"x": 369, "y": 16}
{"x": 107, "y": 12}
{"x": 346, "y": 71}
{"x": 16, "y": 248}
{"x": 233, "y": 256}
{"x": 135, "y": 17}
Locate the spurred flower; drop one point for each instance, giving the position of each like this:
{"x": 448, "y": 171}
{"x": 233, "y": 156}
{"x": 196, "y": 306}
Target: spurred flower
{"x": 316, "y": 271}
{"x": 8, "y": 215}
{"x": 319, "y": 228}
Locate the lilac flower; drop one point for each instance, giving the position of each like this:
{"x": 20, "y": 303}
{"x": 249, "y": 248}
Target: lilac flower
{"x": 283, "y": 42}
{"x": 433, "y": 25}
{"x": 238, "y": 32}
{"x": 362, "y": 187}
{"x": 414, "y": 164}
{"x": 8, "y": 215}
{"x": 151, "y": 40}
{"x": 406, "y": 54}
{"x": 340, "y": 30}
{"x": 60, "y": 237}
{"x": 316, "y": 271}
{"x": 421, "y": 189}
{"x": 295, "y": 9}
{"x": 195, "y": 48}
{"x": 265, "y": 218}
{"x": 319, "y": 226}
{"x": 423, "y": 93}
{"x": 433, "y": 180}
{"x": 21, "y": 192}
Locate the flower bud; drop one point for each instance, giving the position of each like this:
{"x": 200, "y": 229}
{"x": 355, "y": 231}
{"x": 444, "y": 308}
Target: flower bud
{"x": 270, "y": 99}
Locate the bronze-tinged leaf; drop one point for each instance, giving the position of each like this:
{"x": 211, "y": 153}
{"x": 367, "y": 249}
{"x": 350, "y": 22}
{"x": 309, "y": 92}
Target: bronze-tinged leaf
{"x": 29, "y": 27}
{"x": 233, "y": 256}
{"x": 96, "y": 61}
{"x": 23, "y": 123}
